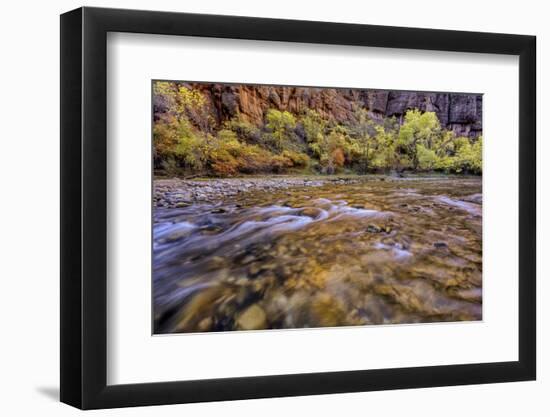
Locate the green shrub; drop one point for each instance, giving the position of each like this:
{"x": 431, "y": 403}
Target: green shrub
{"x": 298, "y": 159}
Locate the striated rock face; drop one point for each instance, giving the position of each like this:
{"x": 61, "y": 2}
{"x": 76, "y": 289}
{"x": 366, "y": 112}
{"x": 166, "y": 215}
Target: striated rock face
{"x": 460, "y": 112}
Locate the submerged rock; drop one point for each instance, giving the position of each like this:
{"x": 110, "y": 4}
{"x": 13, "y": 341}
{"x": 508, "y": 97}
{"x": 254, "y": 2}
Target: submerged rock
{"x": 371, "y": 228}
{"x": 253, "y": 318}
{"x": 205, "y": 324}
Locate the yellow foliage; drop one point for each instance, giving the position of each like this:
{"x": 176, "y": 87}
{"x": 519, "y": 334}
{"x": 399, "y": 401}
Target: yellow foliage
{"x": 186, "y": 140}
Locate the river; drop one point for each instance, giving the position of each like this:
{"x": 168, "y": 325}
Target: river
{"x": 366, "y": 251}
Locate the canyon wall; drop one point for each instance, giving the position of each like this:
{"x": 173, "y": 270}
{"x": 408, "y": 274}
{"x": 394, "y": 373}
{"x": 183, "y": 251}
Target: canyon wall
{"x": 461, "y": 113}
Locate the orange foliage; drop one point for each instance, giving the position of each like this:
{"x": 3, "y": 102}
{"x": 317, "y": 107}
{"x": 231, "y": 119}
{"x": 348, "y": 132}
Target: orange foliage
{"x": 338, "y": 157}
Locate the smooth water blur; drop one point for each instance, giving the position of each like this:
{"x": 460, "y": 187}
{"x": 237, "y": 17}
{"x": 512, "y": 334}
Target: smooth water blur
{"x": 371, "y": 252}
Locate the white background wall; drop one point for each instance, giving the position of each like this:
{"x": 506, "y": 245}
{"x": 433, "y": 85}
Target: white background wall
{"x": 29, "y": 219}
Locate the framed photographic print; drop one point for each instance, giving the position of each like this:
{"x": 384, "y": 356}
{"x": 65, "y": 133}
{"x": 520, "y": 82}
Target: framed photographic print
{"x": 256, "y": 208}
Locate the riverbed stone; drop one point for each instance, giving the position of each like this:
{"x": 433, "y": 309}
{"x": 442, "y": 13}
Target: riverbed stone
{"x": 253, "y": 318}
{"x": 310, "y": 212}
{"x": 372, "y": 228}
{"x": 172, "y": 237}
{"x": 205, "y": 324}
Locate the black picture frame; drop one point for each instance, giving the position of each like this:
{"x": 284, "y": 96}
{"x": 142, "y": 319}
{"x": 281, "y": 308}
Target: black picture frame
{"x": 84, "y": 207}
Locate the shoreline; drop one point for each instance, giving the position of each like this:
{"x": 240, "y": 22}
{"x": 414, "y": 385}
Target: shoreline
{"x": 179, "y": 192}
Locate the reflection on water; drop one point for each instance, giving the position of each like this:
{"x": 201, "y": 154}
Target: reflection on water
{"x": 371, "y": 252}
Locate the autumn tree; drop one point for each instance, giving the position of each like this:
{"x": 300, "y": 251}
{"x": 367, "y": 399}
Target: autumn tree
{"x": 281, "y": 124}
{"x": 363, "y": 130}
{"x": 418, "y": 133}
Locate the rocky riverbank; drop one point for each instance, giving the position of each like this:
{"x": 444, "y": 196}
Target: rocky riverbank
{"x": 178, "y": 193}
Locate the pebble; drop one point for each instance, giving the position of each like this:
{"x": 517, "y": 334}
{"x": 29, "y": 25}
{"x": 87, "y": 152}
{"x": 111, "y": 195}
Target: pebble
{"x": 247, "y": 259}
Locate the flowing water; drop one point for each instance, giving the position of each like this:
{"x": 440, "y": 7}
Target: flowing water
{"x": 367, "y": 252}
